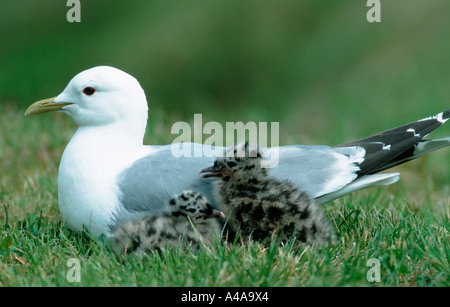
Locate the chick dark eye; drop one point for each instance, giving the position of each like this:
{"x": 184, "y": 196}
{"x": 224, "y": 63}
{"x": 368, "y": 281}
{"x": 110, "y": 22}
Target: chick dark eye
{"x": 231, "y": 164}
{"x": 89, "y": 91}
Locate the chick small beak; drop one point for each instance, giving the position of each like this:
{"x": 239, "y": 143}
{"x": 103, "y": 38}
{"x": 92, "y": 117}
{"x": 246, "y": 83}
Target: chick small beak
{"x": 211, "y": 213}
{"x": 217, "y": 214}
{"x": 45, "y": 105}
{"x": 211, "y": 172}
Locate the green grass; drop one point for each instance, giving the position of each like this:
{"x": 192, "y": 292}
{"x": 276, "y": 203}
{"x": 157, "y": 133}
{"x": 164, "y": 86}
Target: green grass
{"x": 412, "y": 246}
{"x": 406, "y": 230}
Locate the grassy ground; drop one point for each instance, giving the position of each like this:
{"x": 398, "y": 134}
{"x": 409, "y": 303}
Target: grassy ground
{"x": 316, "y": 67}
{"x": 405, "y": 227}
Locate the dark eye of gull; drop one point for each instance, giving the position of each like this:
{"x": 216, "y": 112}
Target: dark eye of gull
{"x": 89, "y": 91}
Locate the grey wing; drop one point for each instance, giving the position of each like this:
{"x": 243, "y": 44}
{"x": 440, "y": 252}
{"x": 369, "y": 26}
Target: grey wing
{"x": 317, "y": 170}
{"x": 149, "y": 183}
{"x": 327, "y": 173}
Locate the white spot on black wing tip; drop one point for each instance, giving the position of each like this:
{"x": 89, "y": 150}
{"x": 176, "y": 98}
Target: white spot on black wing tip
{"x": 414, "y": 132}
{"x": 441, "y": 117}
{"x": 446, "y": 114}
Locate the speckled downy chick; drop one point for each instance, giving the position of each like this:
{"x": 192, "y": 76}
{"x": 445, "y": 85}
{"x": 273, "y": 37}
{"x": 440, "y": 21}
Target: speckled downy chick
{"x": 190, "y": 220}
{"x": 261, "y": 206}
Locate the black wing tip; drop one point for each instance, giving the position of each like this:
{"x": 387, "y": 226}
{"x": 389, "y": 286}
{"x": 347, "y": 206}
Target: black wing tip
{"x": 446, "y": 114}
{"x": 395, "y": 146}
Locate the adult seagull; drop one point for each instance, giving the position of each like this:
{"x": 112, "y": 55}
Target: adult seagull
{"x": 107, "y": 176}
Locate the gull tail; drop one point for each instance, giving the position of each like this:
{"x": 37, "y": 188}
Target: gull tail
{"x": 399, "y": 145}
{"x": 367, "y": 181}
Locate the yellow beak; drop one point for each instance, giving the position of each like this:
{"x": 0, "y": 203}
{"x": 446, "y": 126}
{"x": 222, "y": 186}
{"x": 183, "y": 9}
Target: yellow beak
{"x": 45, "y": 105}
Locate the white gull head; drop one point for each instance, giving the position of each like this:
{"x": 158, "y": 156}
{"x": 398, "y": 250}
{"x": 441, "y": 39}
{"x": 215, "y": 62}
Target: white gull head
{"x": 105, "y": 95}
